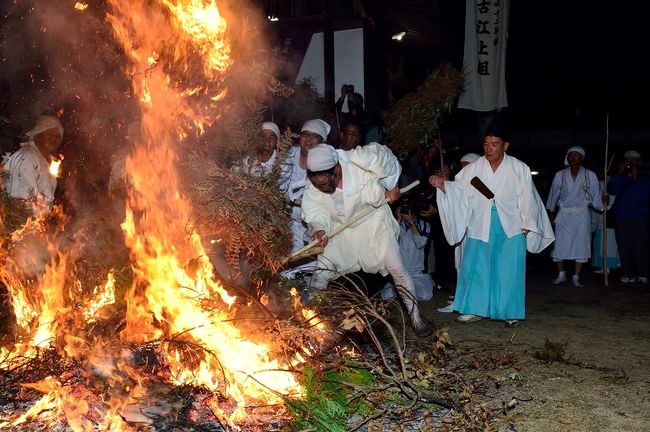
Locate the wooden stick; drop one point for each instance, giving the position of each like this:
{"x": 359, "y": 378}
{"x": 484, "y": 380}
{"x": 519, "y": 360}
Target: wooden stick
{"x": 343, "y": 226}
{"x": 605, "y": 270}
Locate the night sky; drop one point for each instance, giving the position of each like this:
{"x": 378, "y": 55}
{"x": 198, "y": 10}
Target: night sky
{"x": 570, "y": 62}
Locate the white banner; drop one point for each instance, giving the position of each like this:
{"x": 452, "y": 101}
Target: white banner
{"x": 486, "y": 31}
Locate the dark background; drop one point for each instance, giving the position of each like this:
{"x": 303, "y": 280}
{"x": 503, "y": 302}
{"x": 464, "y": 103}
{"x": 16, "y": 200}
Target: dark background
{"x": 570, "y": 64}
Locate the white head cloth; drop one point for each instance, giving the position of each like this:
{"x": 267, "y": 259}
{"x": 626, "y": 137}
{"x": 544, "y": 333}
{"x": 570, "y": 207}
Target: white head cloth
{"x": 470, "y": 157}
{"x": 46, "y": 123}
{"x": 317, "y": 126}
{"x": 271, "y": 127}
{"x": 322, "y": 157}
{"x": 632, "y": 154}
{"x": 576, "y": 149}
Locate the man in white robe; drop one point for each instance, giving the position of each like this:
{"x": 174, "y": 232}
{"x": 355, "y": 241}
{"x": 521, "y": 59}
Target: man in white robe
{"x": 265, "y": 154}
{"x": 292, "y": 181}
{"x": 341, "y": 184}
{"x": 574, "y": 190}
{"x": 28, "y": 177}
{"x": 258, "y": 164}
{"x": 501, "y": 216}
{"x": 28, "y": 169}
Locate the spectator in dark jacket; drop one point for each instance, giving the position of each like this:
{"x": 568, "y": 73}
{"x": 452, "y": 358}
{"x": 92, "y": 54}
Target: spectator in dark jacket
{"x": 632, "y": 190}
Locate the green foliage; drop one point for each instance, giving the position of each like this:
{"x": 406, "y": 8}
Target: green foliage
{"x": 327, "y": 404}
{"x": 417, "y": 116}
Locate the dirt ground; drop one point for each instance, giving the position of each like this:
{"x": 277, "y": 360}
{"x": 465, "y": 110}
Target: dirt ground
{"x": 603, "y": 384}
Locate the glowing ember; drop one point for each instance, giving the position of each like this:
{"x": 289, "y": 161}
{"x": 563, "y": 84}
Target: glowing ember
{"x": 310, "y": 315}
{"x": 101, "y": 298}
{"x": 81, "y": 6}
{"x": 54, "y": 166}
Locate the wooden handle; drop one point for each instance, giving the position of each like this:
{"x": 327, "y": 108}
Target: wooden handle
{"x": 481, "y": 187}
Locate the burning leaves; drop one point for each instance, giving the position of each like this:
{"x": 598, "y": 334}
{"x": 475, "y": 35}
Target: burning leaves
{"x": 204, "y": 25}
{"x": 174, "y": 304}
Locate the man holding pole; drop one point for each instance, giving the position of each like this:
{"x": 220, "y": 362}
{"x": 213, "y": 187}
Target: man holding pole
{"x": 574, "y": 190}
{"x": 341, "y": 186}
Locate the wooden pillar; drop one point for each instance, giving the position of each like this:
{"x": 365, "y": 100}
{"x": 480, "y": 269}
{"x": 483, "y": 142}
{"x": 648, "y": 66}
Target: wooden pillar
{"x": 328, "y": 50}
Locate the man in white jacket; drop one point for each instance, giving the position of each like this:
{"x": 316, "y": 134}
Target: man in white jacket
{"x": 494, "y": 203}
{"x": 341, "y": 185}
{"x": 27, "y": 170}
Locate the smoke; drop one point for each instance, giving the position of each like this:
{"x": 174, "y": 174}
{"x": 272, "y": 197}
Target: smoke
{"x": 65, "y": 61}
{"x": 60, "y": 60}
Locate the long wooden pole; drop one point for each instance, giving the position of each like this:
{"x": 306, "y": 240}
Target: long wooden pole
{"x": 605, "y": 269}
{"x": 343, "y": 226}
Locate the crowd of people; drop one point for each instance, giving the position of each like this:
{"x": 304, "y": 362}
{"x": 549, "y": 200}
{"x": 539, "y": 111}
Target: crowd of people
{"x": 471, "y": 226}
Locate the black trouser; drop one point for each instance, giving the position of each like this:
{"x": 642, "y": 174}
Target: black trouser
{"x": 632, "y": 241}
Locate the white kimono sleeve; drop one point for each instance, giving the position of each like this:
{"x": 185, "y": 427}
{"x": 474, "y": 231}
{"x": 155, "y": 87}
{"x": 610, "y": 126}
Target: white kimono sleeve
{"x": 454, "y": 210}
{"x": 24, "y": 177}
{"x": 535, "y": 219}
{"x": 379, "y": 160}
{"x": 597, "y": 196}
{"x": 554, "y": 194}
{"x": 314, "y": 212}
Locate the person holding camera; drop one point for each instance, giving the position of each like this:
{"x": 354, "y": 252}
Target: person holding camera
{"x": 349, "y": 107}
{"x": 412, "y": 239}
{"x": 632, "y": 190}
{"x": 574, "y": 190}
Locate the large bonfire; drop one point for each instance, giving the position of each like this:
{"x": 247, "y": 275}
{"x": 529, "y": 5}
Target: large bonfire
{"x": 176, "y": 328}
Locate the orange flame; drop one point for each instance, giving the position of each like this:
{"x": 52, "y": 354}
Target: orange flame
{"x": 101, "y": 297}
{"x": 54, "y": 166}
{"x": 174, "y": 296}
{"x": 204, "y": 24}
{"x": 173, "y": 275}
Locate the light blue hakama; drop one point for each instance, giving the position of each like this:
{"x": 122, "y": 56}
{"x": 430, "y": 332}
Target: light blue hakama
{"x": 492, "y": 278}
{"x": 613, "y": 259}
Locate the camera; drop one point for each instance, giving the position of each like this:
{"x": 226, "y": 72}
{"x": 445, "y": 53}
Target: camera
{"x": 405, "y": 206}
{"x": 349, "y": 88}
{"x": 628, "y": 166}
{"x": 416, "y": 204}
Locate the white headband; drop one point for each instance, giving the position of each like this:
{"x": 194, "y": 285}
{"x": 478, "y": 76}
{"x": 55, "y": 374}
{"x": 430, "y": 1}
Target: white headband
{"x": 317, "y": 126}
{"x": 576, "y": 149}
{"x": 270, "y": 126}
{"x": 470, "y": 157}
{"x": 45, "y": 123}
{"x": 322, "y": 157}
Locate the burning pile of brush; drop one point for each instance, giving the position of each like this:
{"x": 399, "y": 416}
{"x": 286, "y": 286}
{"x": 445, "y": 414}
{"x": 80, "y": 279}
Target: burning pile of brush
{"x": 154, "y": 335}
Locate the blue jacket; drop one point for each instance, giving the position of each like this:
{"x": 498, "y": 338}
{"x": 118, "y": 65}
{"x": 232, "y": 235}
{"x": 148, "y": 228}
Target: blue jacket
{"x": 632, "y": 199}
